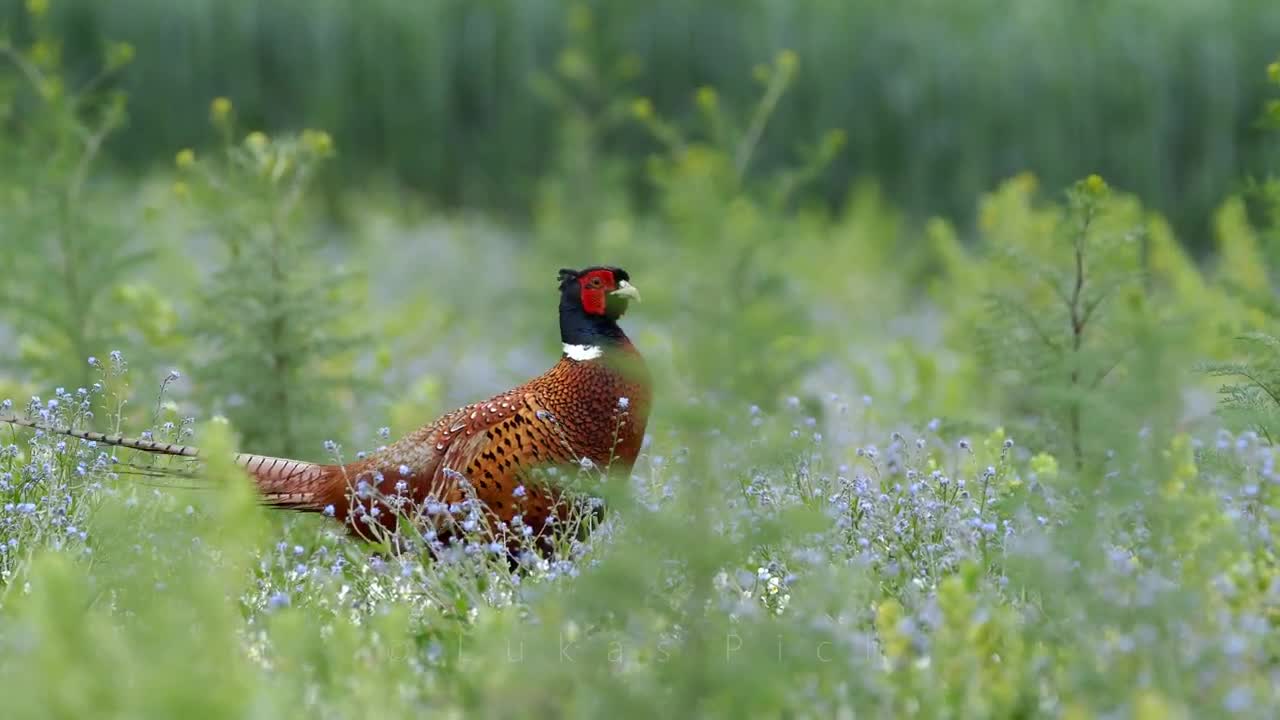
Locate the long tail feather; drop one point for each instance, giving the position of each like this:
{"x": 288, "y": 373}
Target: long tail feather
{"x": 159, "y": 480}
{"x": 115, "y": 440}
{"x": 283, "y": 483}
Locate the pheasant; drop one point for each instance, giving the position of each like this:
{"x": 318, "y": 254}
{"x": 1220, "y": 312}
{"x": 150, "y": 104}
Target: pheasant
{"x": 590, "y": 408}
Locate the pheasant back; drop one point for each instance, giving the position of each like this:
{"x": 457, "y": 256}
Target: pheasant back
{"x": 580, "y": 412}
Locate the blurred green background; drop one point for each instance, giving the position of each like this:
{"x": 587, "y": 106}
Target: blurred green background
{"x": 939, "y": 100}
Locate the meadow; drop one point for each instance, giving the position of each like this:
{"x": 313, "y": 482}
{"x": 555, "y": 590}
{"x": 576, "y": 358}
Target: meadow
{"x": 1016, "y": 462}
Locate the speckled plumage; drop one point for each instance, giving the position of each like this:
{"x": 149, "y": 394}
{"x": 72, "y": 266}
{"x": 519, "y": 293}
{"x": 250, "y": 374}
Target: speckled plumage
{"x": 573, "y": 411}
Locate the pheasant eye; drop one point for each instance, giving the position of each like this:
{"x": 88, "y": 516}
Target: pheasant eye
{"x": 595, "y": 282}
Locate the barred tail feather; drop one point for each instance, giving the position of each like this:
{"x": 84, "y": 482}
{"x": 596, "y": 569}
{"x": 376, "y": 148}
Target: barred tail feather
{"x": 290, "y": 484}
{"x": 283, "y": 483}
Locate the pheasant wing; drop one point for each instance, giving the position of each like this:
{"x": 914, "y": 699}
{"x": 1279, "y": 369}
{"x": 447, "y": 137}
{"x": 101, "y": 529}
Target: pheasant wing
{"x": 492, "y": 449}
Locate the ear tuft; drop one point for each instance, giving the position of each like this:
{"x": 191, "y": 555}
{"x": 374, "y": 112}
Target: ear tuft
{"x": 566, "y": 275}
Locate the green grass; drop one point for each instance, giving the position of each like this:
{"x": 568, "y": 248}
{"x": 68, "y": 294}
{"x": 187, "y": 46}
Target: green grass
{"x": 894, "y": 468}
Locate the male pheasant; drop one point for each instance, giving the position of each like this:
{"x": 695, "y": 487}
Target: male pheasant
{"x": 592, "y": 405}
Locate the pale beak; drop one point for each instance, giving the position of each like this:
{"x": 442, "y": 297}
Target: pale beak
{"x": 627, "y": 290}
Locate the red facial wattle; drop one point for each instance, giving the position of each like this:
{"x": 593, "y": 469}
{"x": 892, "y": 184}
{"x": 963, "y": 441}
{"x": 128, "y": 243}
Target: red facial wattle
{"x": 595, "y": 286}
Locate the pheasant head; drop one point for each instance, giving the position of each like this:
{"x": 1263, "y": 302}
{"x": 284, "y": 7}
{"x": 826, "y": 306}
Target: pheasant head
{"x": 591, "y": 302}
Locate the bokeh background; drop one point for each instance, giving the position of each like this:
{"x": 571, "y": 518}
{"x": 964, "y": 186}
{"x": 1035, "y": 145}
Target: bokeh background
{"x": 937, "y": 101}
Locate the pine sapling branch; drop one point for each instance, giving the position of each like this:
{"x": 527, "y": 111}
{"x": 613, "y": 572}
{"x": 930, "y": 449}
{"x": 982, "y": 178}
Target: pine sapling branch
{"x": 1079, "y": 314}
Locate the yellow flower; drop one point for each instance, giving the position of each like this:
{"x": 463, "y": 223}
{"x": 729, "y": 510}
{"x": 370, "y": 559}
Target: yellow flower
{"x": 788, "y": 60}
{"x": 318, "y": 142}
{"x": 37, "y": 8}
{"x": 186, "y": 158}
{"x": 642, "y": 109}
{"x": 1273, "y": 72}
{"x": 892, "y": 640}
{"x": 119, "y": 55}
{"x": 1095, "y": 185}
{"x": 707, "y": 99}
{"x": 51, "y": 89}
{"x": 572, "y": 64}
{"x": 256, "y": 141}
{"x": 44, "y": 53}
{"x": 1026, "y": 181}
{"x": 1045, "y": 466}
{"x": 219, "y": 110}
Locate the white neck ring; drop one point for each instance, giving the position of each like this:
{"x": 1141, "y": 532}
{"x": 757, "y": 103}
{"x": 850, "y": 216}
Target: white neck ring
{"x": 582, "y": 352}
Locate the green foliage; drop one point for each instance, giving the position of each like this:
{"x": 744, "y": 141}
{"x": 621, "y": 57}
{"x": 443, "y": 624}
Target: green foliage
{"x": 272, "y": 320}
{"x": 1253, "y": 402}
{"x": 705, "y": 200}
{"x": 586, "y": 89}
{"x": 1063, "y": 297}
{"x": 1249, "y": 263}
{"x": 69, "y": 261}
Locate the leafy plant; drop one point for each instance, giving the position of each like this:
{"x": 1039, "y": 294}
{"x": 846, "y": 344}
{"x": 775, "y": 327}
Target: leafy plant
{"x": 1254, "y": 401}
{"x": 1249, "y": 262}
{"x": 586, "y": 191}
{"x": 68, "y": 252}
{"x": 1061, "y": 295}
{"x": 275, "y": 322}
{"x": 710, "y": 203}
